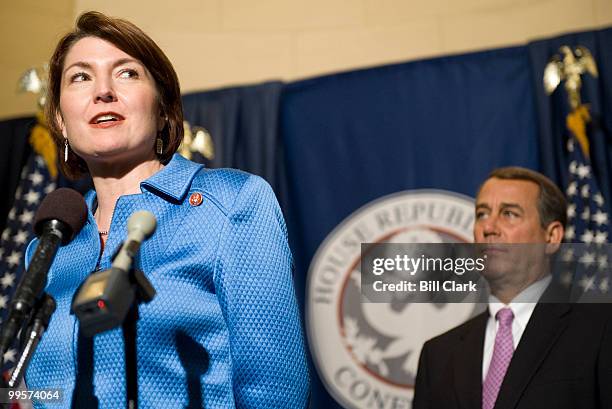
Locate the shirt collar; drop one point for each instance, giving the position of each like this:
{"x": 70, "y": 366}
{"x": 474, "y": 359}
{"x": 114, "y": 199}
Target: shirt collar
{"x": 525, "y": 301}
{"x": 171, "y": 182}
{"x": 174, "y": 180}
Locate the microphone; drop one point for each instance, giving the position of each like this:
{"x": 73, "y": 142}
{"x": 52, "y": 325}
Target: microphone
{"x": 104, "y": 299}
{"x": 60, "y": 216}
{"x": 40, "y": 322}
{"x": 141, "y": 226}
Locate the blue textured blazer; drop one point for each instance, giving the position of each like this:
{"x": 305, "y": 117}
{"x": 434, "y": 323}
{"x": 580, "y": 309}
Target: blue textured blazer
{"x": 224, "y": 328}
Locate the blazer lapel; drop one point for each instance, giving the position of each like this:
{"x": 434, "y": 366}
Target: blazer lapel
{"x": 467, "y": 365}
{"x": 545, "y": 325}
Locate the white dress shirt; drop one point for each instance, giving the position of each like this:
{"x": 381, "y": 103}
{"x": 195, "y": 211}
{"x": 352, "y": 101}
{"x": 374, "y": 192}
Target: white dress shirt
{"x": 522, "y": 306}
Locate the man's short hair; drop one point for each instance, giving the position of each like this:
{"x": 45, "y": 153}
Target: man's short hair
{"x": 552, "y": 205}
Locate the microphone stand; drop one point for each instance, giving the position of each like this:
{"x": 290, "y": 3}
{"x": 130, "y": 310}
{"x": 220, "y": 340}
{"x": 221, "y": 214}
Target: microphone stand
{"x": 144, "y": 292}
{"x": 130, "y": 335}
{"x": 38, "y": 323}
{"x": 111, "y": 298}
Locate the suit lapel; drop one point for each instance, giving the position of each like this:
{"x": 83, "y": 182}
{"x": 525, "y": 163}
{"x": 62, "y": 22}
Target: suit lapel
{"x": 543, "y": 329}
{"x": 467, "y": 365}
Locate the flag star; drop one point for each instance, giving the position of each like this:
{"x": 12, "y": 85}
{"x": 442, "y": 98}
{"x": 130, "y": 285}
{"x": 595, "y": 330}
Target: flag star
{"x": 584, "y": 191}
{"x": 49, "y": 188}
{"x": 600, "y": 218}
{"x": 572, "y": 188}
{"x": 39, "y": 161}
{"x": 27, "y": 217}
{"x": 7, "y": 280}
{"x": 566, "y": 278}
{"x": 602, "y": 262}
{"x": 587, "y": 283}
{"x": 587, "y": 259}
{"x": 3, "y": 301}
{"x": 570, "y": 145}
{"x": 14, "y": 258}
{"x": 571, "y": 211}
{"x": 32, "y": 197}
{"x": 583, "y": 171}
{"x": 570, "y": 233}
{"x": 568, "y": 255}
{"x": 11, "y": 214}
{"x": 601, "y": 237}
{"x": 573, "y": 166}
{"x": 586, "y": 214}
{"x": 5, "y": 235}
{"x": 604, "y": 285}
{"x": 9, "y": 356}
{"x": 36, "y": 178}
{"x": 598, "y": 198}
{"x": 587, "y": 237}
{"x": 21, "y": 237}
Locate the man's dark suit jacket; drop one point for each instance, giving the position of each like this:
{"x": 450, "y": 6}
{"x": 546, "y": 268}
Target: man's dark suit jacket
{"x": 563, "y": 360}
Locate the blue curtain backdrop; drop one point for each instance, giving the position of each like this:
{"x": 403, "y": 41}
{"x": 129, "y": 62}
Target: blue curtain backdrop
{"x": 243, "y": 123}
{"x": 14, "y": 153}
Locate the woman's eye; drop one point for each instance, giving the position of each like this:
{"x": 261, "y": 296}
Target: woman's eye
{"x": 79, "y": 77}
{"x": 128, "y": 74}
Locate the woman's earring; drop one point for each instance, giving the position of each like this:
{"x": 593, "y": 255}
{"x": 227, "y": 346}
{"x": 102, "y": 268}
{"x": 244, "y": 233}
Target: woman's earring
{"x": 65, "y": 149}
{"x": 159, "y": 145}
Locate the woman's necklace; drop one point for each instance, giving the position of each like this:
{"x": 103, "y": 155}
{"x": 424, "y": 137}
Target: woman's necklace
{"x": 100, "y": 232}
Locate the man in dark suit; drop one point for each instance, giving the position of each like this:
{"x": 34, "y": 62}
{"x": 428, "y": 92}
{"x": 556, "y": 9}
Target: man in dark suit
{"x": 520, "y": 354}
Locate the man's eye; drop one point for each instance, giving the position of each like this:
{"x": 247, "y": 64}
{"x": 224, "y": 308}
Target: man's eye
{"x": 79, "y": 77}
{"x": 509, "y": 213}
{"x": 480, "y": 215}
{"x": 128, "y": 73}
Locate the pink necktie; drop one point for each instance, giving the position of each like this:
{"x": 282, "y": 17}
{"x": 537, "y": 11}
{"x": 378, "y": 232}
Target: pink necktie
{"x": 502, "y": 354}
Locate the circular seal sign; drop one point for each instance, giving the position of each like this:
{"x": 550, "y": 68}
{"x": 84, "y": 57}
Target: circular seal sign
{"x": 366, "y": 353}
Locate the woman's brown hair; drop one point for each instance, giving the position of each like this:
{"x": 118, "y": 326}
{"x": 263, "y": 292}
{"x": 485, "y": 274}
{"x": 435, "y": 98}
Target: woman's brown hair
{"x": 133, "y": 41}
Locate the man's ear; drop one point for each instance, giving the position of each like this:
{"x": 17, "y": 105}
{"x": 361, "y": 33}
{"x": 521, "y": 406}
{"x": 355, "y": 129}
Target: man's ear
{"x": 554, "y": 236}
{"x": 555, "y": 232}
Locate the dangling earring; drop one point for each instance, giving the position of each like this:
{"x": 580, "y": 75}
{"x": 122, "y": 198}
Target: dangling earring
{"x": 65, "y": 149}
{"x": 159, "y": 145}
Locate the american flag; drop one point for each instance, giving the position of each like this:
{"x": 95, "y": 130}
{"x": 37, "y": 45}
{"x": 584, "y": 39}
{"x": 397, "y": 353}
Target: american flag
{"x": 588, "y": 223}
{"x": 34, "y": 184}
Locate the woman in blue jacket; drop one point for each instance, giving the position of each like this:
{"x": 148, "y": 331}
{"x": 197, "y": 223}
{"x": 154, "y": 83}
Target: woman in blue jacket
{"x": 223, "y": 329}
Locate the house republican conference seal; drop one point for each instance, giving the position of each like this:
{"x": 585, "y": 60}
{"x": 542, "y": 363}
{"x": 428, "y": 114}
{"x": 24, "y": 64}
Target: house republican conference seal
{"x": 367, "y": 353}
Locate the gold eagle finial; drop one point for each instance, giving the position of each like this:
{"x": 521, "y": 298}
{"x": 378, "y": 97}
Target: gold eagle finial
{"x": 569, "y": 69}
{"x": 34, "y": 80}
{"x": 196, "y": 139}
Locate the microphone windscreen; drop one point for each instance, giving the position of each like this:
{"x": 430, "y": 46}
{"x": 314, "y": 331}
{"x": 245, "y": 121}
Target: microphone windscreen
{"x": 67, "y": 206}
{"x": 144, "y": 221}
